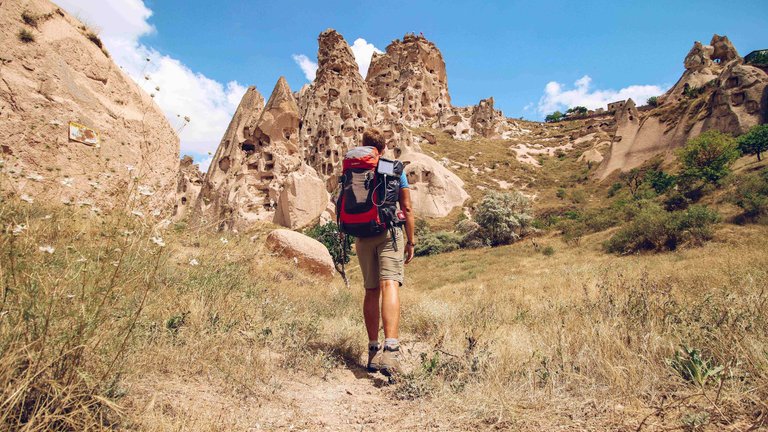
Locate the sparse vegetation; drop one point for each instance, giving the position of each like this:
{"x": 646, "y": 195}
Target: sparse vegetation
{"x": 653, "y": 101}
{"x": 752, "y": 196}
{"x": 26, "y": 36}
{"x": 93, "y": 37}
{"x": 340, "y": 250}
{"x": 29, "y": 18}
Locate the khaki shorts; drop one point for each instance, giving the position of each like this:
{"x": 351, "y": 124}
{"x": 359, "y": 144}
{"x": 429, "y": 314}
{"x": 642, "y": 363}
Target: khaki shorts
{"x": 379, "y": 260}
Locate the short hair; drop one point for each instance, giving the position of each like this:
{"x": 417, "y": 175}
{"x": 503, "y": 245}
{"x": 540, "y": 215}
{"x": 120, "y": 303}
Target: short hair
{"x": 373, "y": 137}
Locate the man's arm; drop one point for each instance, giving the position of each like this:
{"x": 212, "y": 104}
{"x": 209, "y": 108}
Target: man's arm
{"x": 405, "y": 206}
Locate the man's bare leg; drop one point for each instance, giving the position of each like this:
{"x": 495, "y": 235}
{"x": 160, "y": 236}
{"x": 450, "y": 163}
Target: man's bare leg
{"x": 371, "y": 313}
{"x": 390, "y": 307}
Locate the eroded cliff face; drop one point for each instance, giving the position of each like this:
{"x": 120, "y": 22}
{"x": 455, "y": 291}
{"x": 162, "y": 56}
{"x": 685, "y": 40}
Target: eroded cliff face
{"x": 336, "y": 108}
{"x": 410, "y": 78}
{"x": 63, "y": 76}
{"x": 716, "y": 91}
{"x": 257, "y": 157}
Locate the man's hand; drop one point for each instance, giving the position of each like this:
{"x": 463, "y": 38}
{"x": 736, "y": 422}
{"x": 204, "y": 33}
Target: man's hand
{"x": 408, "y": 252}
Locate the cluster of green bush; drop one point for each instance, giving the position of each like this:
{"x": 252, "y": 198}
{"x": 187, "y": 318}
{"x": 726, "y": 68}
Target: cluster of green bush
{"x": 500, "y": 218}
{"x": 658, "y": 209}
{"x": 656, "y": 229}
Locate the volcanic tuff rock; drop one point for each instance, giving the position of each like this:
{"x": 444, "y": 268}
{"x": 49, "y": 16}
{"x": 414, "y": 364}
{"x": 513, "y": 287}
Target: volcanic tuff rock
{"x": 307, "y": 252}
{"x": 302, "y": 200}
{"x": 410, "y": 77}
{"x": 189, "y": 183}
{"x": 716, "y": 91}
{"x": 335, "y": 109}
{"x": 254, "y": 160}
{"x": 435, "y": 190}
{"x": 63, "y": 76}
{"x": 483, "y": 120}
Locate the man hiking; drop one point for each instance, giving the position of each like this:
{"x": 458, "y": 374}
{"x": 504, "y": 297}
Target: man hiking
{"x": 372, "y": 187}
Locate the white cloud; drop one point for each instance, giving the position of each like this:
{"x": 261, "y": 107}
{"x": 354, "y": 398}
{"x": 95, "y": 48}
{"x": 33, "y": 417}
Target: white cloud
{"x": 363, "y": 52}
{"x": 205, "y": 164}
{"x": 307, "y": 66}
{"x": 361, "y": 49}
{"x": 183, "y": 92}
{"x": 557, "y": 97}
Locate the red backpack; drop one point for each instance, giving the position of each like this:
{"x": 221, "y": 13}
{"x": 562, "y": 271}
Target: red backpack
{"x": 367, "y": 202}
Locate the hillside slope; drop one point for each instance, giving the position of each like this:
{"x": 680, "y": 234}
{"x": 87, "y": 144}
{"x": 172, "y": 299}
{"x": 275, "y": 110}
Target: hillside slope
{"x": 60, "y": 74}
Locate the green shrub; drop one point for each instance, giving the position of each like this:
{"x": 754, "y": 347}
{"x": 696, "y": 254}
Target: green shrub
{"x": 656, "y": 229}
{"x": 26, "y": 36}
{"x": 328, "y": 235}
{"x": 548, "y": 251}
{"x": 755, "y": 141}
{"x": 554, "y": 117}
{"x": 709, "y": 156}
{"x": 693, "y": 367}
{"x": 503, "y": 217}
{"x": 614, "y": 189}
{"x": 436, "y": 243}
{"x": 752, "y": 195}
{"x": 653, "y": 101}
{"x": 561, "y": 193}
{"x": 660, "y": 181}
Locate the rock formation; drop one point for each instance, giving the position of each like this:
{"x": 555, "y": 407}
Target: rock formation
{"x": 308, "y": 253}
{"x": 60, "y": 74}
{"x": 481, "y": 120}
{"x": 190, "y": 181}
{"x": 410, "y": 77}
{"x": 302, "y": 200}
{"x": 335, "y": 109}
{"x": 716, "y": 91}
{"x": 253, "y": 163}
{"x": 435, "y": 190}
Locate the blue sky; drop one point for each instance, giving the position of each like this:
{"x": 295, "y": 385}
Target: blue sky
{"x": 531, "y": 57}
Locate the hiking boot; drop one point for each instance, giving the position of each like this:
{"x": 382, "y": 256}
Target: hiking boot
{"x": 390, "y": 361}
{"x": 374, "y": 359}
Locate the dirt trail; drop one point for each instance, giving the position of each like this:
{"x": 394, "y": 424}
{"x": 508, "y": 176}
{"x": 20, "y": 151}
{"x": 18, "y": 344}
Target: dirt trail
{"x": 347, "y": 398}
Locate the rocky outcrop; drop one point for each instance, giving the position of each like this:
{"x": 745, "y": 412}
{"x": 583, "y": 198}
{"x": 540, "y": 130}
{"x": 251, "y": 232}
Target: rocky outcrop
{"x": 303, "y": 199}
{"x": 189, "y": 183}
{"x": 481, "y": 120}
{"x": 740, "y": 101}
{"x": 253, "y": 160}
{"x": 59, "y": 76}
{"x": 308, "y": 253}
{"x": 410, "y": 77}
{"x": 716, "y": 91}
{"x": 335, "y": 109}
{"x": 434, "y": 189}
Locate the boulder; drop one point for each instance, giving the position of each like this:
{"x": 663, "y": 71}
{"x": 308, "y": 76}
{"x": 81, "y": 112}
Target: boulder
{"x": 435, "y": 190}
{"x": 302, "y": 200}
{"x": 309, "y": 253}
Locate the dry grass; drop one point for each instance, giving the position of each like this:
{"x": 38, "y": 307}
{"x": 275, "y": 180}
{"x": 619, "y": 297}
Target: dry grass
{"x": 135, "y": 337}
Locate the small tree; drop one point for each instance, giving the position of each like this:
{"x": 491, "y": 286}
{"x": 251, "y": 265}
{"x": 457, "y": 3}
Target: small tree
{"x": 755, "y": 141}
{"x": 709, "y": 156}
{"x": 577, "y": 110}
{"x": 554, "y": 117}
{"x": 653, "y": 101}
{"x": 328, "y": 235}
{"x": 503, "y": 217}
{"x": 633, "y": 179}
